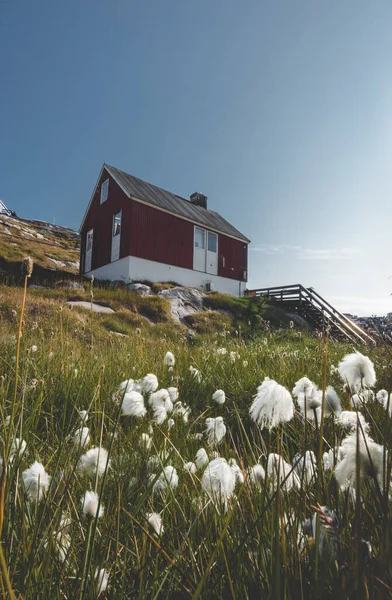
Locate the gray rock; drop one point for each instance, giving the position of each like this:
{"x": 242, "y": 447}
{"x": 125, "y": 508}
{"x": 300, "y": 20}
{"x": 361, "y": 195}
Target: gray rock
{"x": 35, "y": 286}
{"x": 70, "y": 285}
{"x": 140, "y": 288}
{"x": 90, "y": 306}
{"x": 184, "y": 301}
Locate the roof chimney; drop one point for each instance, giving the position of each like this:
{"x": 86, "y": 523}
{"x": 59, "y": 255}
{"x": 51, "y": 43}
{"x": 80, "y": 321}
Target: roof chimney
{"x": 199, "y": 199}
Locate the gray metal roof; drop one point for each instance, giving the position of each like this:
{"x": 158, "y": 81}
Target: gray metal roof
{"x": 137, "y": 188}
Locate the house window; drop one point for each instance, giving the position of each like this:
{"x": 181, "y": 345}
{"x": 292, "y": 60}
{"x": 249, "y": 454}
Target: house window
{"x": 199, "y": 238}
{"x": 104, "y": 191}
{"x": 212, "y": 242}
{"x": 89, "y": 240}
{"x": 117, "y": 224}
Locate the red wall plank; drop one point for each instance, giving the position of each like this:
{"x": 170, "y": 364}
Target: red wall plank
{"x": 159, "y": 236}
{"x": 233, "y": 258}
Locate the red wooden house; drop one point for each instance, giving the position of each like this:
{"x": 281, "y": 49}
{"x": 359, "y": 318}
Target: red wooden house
{"x": 134, "y": 231}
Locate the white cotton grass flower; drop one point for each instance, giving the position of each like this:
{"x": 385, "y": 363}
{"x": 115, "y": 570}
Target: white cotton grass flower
{"x": 219, "y": 396}
{"x": 219, "y": 481}
{"x": 170, "y": 424}
{"x": 94, "y": 461}
{"x": 153, "y": 463}
{"x": 91, "y": 506}
{"x": 238, "y": 474}
{"x": 36, "y": 481}
{"x": 145, "y": 441}
{"x": 160, "y": 414}
{"x": 167, "y": 480}
{"x": 155, "y": 522}
{"x": 348, "y": 419}
{"x": 215, "y": 430}
{"x": 196, "y": 374}
{"x": 332, "y": 457}
{"x": 234, "y": 356}
{"x": 133, "y": 405}
{"x": 221, "y": 351}
{"x": 357, "y": 371}
{"x": 127, "y": 386}
{"x": 371, "y": 460}
{"x": 190, "y": 467}
{"x": 18, "y": 448}
{"x": 306, "y": 466}
{"x": 33, "y": 348}
{"x": 281, "y": 473}
{"x": 169, "y": 359}
{"x": 272, "y": 405}
{"x": 182, "y": 410}
{"x": 81, "y": 437}
{"x": 332, "y": 402}
{"x": 161, "y": 398}
{"x": 101, "y": 578}
{"x": 201, "y": 459}
{"x": 309, "y": 398}
{"x": 255, "y": 476}
{"x": 173, "y": 393}
{"x": 303, "y": 386}
{"x": 385, "y": 400}
{"x": 149, "y": 383}
{"x": 83, "y": 414}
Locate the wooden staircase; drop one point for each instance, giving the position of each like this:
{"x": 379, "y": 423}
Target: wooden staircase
{"x": 319, "y": 313}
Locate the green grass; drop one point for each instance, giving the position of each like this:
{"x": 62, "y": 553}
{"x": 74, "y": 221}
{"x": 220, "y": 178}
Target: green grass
{"x": 251, "y": 551}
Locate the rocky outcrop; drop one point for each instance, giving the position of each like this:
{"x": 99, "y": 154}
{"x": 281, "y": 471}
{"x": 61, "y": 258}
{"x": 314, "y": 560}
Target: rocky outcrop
{"x": 90, "y": 306}
{"x": 140, "y": 288}
{"x": 184, "y": 301}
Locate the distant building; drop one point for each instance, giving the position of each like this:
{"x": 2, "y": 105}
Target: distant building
{"x": 133, "y": 231}
{"x": 4, "y": 210}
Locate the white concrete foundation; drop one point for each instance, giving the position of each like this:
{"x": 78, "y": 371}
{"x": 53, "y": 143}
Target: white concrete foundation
{"x": 132, "y": 268}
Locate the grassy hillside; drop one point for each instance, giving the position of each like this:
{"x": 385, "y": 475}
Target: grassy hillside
{"x": 253, "y": 541}
{"x": 54, "y": 249}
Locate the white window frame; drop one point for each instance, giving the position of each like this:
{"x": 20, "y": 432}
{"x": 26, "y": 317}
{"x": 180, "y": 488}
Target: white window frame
{"x": 104, "y": 191}
{"x": 118, "y": 214}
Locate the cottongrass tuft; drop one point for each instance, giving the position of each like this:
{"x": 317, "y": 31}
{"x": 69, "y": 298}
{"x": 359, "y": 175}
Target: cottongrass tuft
{"x": 281, "y": 473}
{"x": 201, "y": 459}
{"x": 370, "y": 461}
{"x": 161, "y": 398}
{"x": 90, "y": 503}
{"x": 215, "y": 430}
{"x": 36, "y": 481}
{"x": 101, "y": 578}
{"x": 272, "y": 405}
{"x": 81, "y": 437}
{"x": 133, "y": 405}
{"x": 190, "y": 467}
{"x": 256, "y": 476}
{"x": 168, "y": 479}
{"x": 169, "y": 359}
{"x": 155, "y": 522}
{"x": 349, "y": 419}
{"x": 332, "y": 402}
{"x": 218, "y": 482}
{"x": 196, "y": 374}
{"x": 149, "y": 383}
{"x": 94, "y": 461}
{"x": 358, "y": 371}
{"x": 145, "y": 441}
{"x": 219, "y": 397}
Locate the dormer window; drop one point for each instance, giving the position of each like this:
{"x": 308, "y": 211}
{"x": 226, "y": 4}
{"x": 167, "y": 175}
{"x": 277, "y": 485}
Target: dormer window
{"x": 104, "y": 191}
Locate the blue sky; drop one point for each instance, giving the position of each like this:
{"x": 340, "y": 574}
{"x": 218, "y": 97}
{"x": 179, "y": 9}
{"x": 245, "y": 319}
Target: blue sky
{"x": 279, "y": 111}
